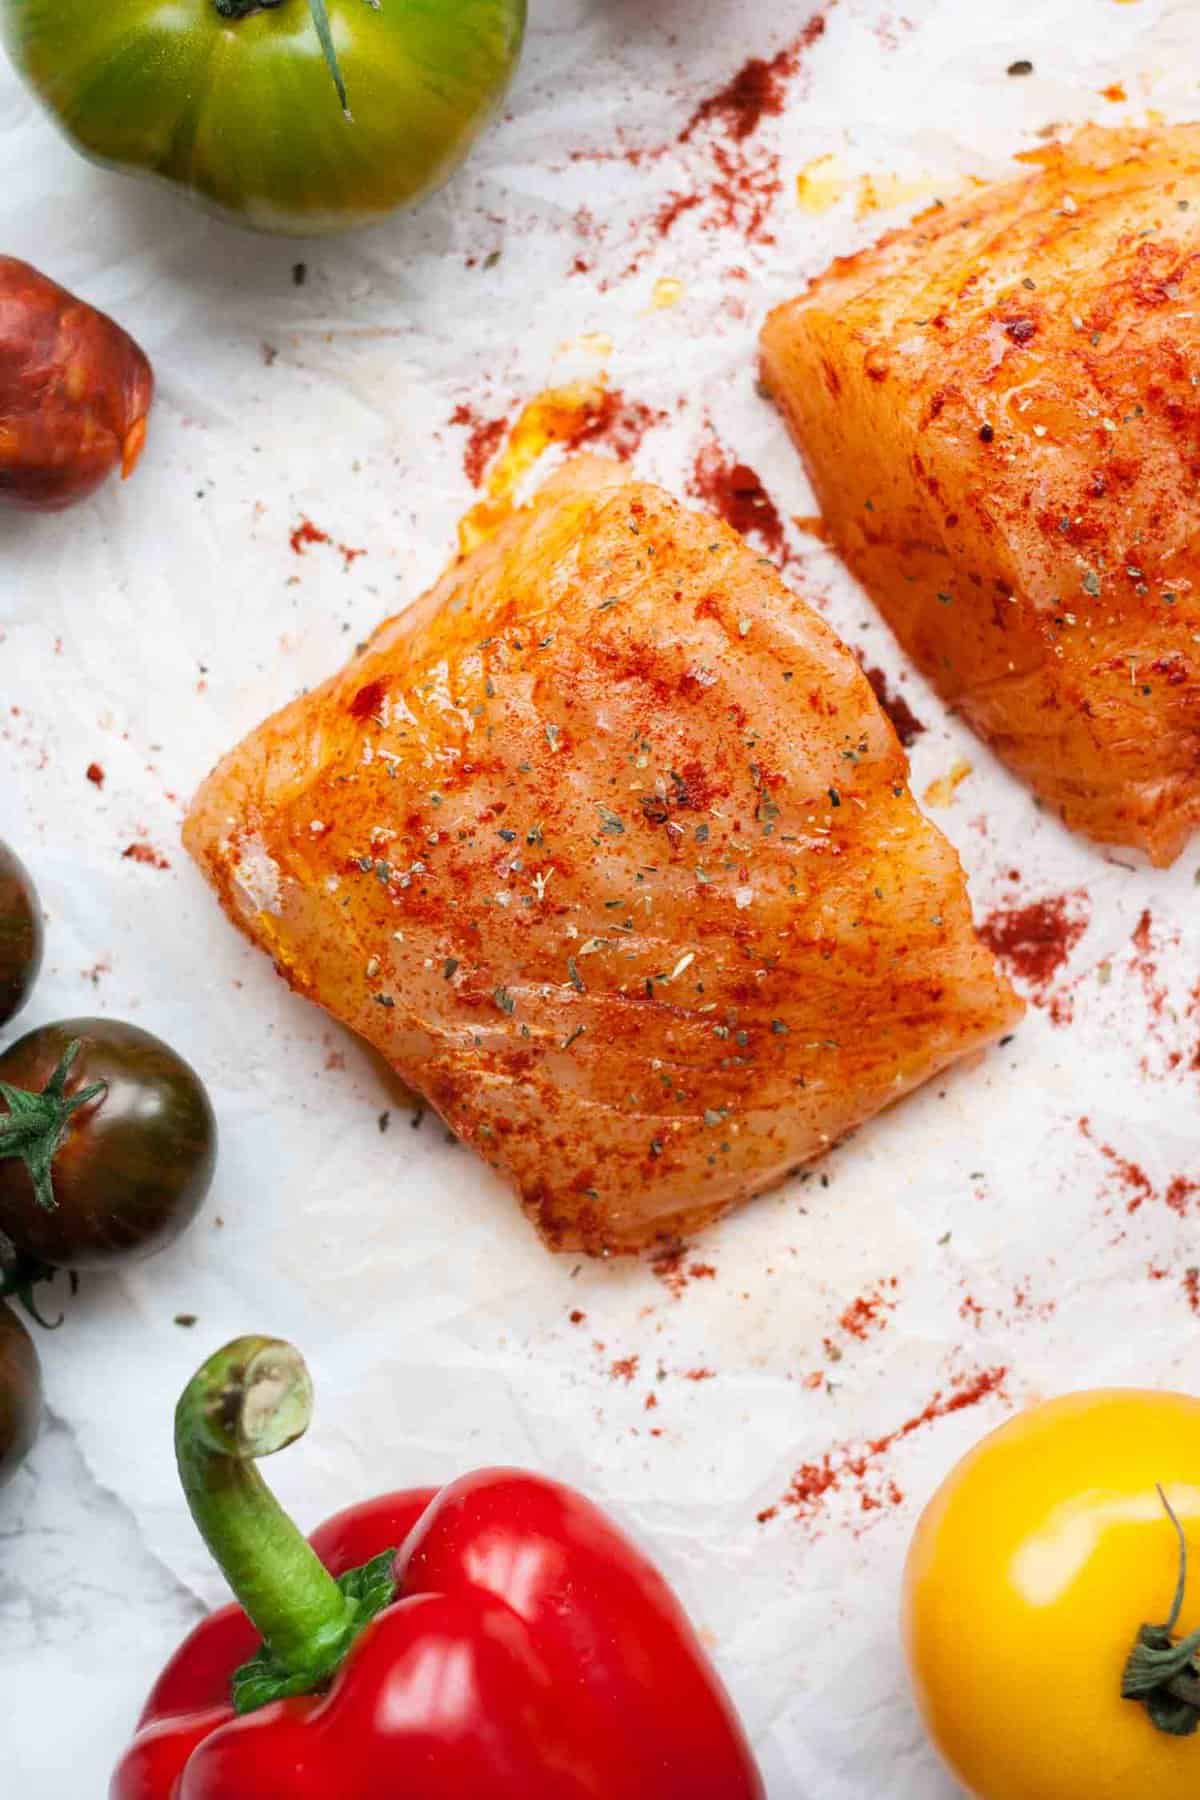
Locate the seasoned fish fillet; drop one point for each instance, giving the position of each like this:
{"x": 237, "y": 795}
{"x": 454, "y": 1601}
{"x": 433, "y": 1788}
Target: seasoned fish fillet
{"x": 606, "y": 845}
{"x": 999, "y": 407}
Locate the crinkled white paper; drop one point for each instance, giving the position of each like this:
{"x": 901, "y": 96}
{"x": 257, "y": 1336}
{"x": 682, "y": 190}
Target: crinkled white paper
{"x": 150, "y": 629}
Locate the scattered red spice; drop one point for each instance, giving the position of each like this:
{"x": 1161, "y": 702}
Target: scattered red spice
{"x": 624, "y": 1369}
{"x": 1035, "y": 940}
{"x": 1180, "y": 1190}
{"x": 577, "y": 1317}
{"x": 1145, "y": 964}
{"x": 483, "y": 440}
{"x": 671, "y": 1268}
{"x": 1133, "y": 1179}
{"x": 858, "y": 1465}
{"x": 741, "y": 182}
{"x": 905, "y": 722}
{"x": 734, "y": 491}
{"x": 673, "y": 209}
{"x": 95, "y": 774}
{"x": 1114, "y": 92}
{"x": 758, "y": 88}
{"x": 700, "y": 1375}
{"x": 307, "y": 533}
{"x": 969, "y": 1308}
{"x": 616, "y": 421}
{"x": 767, "y": 1514}
{"x": 145, "y": 853}
{"x": 651, "y": 1404}
{"x": 1191, "y": 1287}
{"x": 869, "y": 1312}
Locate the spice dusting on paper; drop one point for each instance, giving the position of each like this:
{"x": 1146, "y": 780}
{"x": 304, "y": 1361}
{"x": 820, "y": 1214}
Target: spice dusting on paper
{"x": 672, "y": 1268}
{"x": 907, "y": 726}
{"x": 732, "y": 489}
{"x": 869, "y": 1312}
{"x": 854, "y": 1468}
{"x": 1135, "y": 1186}
{"x": 731, "y": 180}
{"x": 1033, "y": 941}
{"x": 483, "y": 440}
{"x": 306, "y": 533}
{"x": 147, "y": 854}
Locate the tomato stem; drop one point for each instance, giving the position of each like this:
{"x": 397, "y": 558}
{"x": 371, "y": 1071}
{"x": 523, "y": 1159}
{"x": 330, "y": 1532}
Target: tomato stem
{"x": 251, "y": 1399}
{"x": 36, "y": 1123}
{"x": 1161, "y": 1674}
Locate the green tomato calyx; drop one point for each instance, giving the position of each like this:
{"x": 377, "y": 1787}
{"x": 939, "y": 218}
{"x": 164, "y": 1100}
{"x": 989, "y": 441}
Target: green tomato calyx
{"x": 242, "y": 9}
{"x": 1163, "y": 1674}
{"x": 36, "y": 1124}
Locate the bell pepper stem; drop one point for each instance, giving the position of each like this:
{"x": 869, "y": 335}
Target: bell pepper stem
{"x": 251, "y": 1399}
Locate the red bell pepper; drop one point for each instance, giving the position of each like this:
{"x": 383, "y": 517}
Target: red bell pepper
{"x": 497, "y": 1639}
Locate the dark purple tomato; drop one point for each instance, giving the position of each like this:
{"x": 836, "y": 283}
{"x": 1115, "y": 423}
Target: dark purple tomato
{"x": 20, "y": 1393}
{"x": 113, "y": 1156}
{"x": 20, "y": 934}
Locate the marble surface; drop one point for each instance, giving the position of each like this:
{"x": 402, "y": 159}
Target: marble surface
{"x": 87, "y": 1616}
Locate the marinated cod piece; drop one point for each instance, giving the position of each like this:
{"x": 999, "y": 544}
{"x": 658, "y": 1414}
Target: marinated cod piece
{"x": 607, "y": 846}
{"x": 999, "y": 409}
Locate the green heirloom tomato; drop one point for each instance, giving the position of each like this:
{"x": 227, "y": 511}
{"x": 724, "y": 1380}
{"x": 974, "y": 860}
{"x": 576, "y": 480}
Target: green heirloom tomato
{"x": 238, "y": 101}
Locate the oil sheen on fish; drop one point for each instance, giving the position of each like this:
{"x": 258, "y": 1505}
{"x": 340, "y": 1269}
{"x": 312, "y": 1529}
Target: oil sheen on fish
{"x": 606, "y": 844}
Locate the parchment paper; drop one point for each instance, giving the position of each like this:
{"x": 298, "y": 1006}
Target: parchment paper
{"x": 149, "y": 630}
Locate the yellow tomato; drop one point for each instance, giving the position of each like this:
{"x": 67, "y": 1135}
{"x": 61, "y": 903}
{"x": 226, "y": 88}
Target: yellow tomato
{"x": 1031, "y": 1573}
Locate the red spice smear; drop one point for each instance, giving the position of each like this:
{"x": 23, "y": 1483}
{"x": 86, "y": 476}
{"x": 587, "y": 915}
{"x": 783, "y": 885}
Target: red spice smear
{"x": 145, "y": 853}
{"x": 624, "y": 1369}
{"x": 733, "y": 490}
{"x": 848, "y": 1464}
{"x": 616, "y": 421}
{"x": 1191, "y": 1287}
{"x": 577, "y": 1317}
{"x": 308, "y": 533}
{"x": 869, "y": 1312}
{"x": 482, "y": 443}
{"x": 908, "y": 727}
{"x": 700, "y": 1375}
{"x": 1035, "y": 940}
{"x": 759, "y": 87}
{"x": 95, "y": 774}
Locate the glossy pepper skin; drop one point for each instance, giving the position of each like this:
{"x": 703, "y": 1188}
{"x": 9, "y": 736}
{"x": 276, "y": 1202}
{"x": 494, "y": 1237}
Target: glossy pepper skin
{"x": 531, "y": 1653}
{"x": 75, "y": 391}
